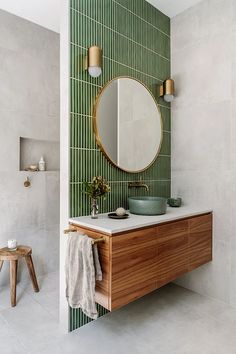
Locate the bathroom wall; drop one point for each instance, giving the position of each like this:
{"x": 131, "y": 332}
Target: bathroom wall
{"x": 204, "y": 132}
{"x": 135, "y": 38}
{"x": 29, "y": 107}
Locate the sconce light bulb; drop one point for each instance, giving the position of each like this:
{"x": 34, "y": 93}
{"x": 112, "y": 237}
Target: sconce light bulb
{"x": 94, "y": 71}
{"x": 168, "y": 98}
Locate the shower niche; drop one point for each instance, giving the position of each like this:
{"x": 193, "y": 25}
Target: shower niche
{"x": 31, "y": 151}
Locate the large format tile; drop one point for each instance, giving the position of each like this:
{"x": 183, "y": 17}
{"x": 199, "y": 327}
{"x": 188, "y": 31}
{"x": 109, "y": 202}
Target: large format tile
{"x": 48, "y": 296}
{"x": 9, "y": 343}
{"x": 33, "y": 325}
{"x": 22, "y": 298}
{"x": 193, "y": 69}
{"x": 29, "y": 107}
{"x": 205, "y": 20}
{"x": 208, "y": 147}
{"x": 203, "y": 132}
{"x": 169, "y": 320}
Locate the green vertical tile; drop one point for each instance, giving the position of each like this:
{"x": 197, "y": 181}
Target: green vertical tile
{"x": 135, "y": 38}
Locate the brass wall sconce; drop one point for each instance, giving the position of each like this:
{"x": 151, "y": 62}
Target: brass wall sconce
{"x": 93, "y": 61}
{"x": 167, "y": 90}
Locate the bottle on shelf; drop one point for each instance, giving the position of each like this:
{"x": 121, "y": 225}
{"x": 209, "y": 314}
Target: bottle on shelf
{"x": 42, "y": 164}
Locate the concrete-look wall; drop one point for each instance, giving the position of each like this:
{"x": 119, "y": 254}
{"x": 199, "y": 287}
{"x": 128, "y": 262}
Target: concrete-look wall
{"x": 29, "y": 107}
{"x": 204, "y": 132}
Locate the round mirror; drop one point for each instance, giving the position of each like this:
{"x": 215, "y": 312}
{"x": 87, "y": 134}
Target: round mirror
{"x": 128, "y": 124}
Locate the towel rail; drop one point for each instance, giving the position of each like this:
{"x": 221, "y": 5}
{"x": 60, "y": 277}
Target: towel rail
{"x": 97, "y": 240}
{"x": 67, "y": 231}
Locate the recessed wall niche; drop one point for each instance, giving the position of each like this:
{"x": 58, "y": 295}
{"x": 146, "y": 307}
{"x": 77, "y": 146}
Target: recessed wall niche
{"x": 32, "y": 149}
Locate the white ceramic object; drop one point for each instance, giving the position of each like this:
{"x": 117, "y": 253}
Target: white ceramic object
{"x": 33, "y": 167}
{"x": 42, "y": 164}
{"x": 120, "y": 211}
{"x": 111, "y": 226}
{"x": 12, "y": 244}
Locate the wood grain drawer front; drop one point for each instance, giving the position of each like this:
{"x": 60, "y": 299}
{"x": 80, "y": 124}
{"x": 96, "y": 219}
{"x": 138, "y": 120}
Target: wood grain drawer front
{"x": 133, "y": 266}
{"x": 173, "y": 255}
{"x": 200, "y": 240}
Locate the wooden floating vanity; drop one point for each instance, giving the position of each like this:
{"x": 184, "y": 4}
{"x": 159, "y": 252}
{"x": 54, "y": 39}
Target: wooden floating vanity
{"x": 143, "y": 253}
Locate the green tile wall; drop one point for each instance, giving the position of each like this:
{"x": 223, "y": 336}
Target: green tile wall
{"x": 135, "y": 38}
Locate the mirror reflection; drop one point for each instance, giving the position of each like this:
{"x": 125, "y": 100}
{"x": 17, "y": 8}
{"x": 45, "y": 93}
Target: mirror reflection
{"x": 128, "y": 124}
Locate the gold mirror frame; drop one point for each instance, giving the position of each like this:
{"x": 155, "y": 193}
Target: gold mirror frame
{"x": 95, "y": 127}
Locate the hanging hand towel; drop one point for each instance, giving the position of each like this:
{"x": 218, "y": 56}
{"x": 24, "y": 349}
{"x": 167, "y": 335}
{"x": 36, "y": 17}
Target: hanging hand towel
{"x": 82, "y": 271}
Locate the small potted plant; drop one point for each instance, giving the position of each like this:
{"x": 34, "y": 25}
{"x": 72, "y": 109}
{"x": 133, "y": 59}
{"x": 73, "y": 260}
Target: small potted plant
{"x": 95, "y": 189}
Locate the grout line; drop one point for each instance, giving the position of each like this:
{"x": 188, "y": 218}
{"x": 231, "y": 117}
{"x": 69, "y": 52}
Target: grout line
{"x": 92, "y": 149}
{"x": 87, "y": 149}
{"x": 139, "y": 17}
{"x": 82, "y": 115}
{"x": 33, "y": 298}
{"x": 124, "y": 182}
{"x": 90, "y": 116}
{"x": 130, "y": 67}
{"x": 122, "y": 35}
{"x": 117, "y": 62}
{"x": 163, "y": 106}
{"x": 157, "y": 28}
{"x": 86, "y": 82}
{"x": 145, "y": 180}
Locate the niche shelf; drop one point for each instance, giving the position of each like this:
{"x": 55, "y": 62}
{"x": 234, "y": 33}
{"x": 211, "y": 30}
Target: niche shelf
{"x": 32, "y": 149}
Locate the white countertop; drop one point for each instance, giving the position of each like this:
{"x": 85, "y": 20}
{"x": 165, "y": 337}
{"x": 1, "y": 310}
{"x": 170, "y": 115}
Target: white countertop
{"x": 111, "y": 226}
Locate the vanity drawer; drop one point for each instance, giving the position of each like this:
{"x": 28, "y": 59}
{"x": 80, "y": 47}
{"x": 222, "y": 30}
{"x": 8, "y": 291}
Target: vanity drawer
{"x": 134, "y": 257}
{"x": 172, "y": 249}
{"x": 135, "y": 263}
{"x": 200, "y": 240}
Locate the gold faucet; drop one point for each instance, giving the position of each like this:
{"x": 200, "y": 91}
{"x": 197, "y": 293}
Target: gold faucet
{"x": 138, "y": 184}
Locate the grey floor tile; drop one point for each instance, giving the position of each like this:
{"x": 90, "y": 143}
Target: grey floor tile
{"x": 171, "y": 320}
{"x": 9, "y": 343}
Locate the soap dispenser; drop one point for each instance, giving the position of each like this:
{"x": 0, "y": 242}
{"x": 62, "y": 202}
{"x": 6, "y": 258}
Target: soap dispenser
{"x": 42, "y": 164}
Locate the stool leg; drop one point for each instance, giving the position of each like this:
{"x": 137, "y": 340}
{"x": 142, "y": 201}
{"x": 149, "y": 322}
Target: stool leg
{"x": 30, "y": 266}
{"x": 1, "y": 263}
{"x": 13, "y": 275}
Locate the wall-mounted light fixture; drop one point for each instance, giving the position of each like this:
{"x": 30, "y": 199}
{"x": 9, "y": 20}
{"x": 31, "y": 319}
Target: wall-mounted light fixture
{"x": 93, "y": 61}
{"x": 167, "y": 90}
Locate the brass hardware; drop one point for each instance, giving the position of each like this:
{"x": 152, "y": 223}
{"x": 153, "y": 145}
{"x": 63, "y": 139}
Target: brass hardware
{"x": 167, "y": 88}
{"x": 102, "y": 239}
{"x": 67, "y": 231}
{"x": 94, "y": 58}
{"x": 27, "y": 182}
{"x": 95, "y": 128}
{"x": 161, "y": 93}
{"x": 98, "y": 240}
{"x": 138, "y": 184}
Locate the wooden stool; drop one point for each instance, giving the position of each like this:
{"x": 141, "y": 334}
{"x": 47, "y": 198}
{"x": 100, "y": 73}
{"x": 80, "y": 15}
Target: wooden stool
{"x": 13, "y": 257}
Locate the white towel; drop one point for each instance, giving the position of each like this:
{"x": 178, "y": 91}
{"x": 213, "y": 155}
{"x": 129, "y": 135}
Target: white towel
{"x": 82, "y": 270}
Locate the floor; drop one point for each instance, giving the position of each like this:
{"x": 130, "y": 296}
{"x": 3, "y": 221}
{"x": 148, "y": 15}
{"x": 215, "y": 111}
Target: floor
{"x": 171, "y": 320}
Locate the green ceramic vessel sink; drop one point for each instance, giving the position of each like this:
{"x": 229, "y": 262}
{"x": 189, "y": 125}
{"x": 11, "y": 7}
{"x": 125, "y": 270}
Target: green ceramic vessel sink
{"x": 147, "y": 205}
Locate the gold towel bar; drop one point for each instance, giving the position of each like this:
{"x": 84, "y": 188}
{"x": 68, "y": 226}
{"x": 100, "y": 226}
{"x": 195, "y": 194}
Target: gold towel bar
{"x": 102, "y": 239}
{"x": 67, "y": 231}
